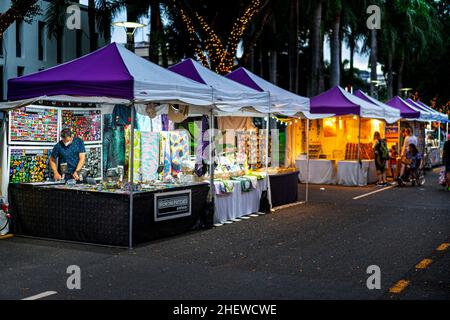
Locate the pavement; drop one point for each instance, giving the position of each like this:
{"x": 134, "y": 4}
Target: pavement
{"x": 318, "y": 250}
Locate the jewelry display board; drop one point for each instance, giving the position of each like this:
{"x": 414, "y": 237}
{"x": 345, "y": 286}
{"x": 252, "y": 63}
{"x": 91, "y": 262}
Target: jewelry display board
{"x": 94, "y": 163}
{"x": 85, "y": 124}
{"x": 33, "y": 125}
{"x": 29, "y": 164}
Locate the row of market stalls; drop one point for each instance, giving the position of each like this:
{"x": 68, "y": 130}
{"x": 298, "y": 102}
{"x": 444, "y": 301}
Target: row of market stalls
{"x": 173, "y": 150}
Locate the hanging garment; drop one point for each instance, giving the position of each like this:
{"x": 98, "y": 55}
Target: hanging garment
{"x": 200, "y": 166}
{"x": 116, "y": 152}
{"x": 136, "y": 155}
{"x": 179, "y": 148}
{"x": 164, "y": 153}
{"x": 150, "y": 143}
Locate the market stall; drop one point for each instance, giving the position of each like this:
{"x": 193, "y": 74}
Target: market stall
{"x": 125, "y": 208}
{"x": 283, "y": 103}
{"x": 341, "y": 145}
{"x": 240, "y": 177}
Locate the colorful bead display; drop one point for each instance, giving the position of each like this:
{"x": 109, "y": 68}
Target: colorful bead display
{"x": 85, "y": 124}
{"x": 34, "y": 125}
{"x": 29, "y": 165}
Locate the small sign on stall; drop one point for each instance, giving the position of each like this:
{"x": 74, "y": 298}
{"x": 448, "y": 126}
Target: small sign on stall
{"x": 172, "y": 205}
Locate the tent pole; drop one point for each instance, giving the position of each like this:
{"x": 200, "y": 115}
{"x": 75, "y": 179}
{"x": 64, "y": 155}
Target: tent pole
{"x": 269, "y": 193}
{"x": 131, "y": 182}
{"x": 439, "y": 134}
{"x": 211, "y": 162}
{"x": 307, "y": 161}
{"x": 359, "y": 149}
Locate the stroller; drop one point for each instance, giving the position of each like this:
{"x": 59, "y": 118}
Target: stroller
{"x": 414, "y": 176}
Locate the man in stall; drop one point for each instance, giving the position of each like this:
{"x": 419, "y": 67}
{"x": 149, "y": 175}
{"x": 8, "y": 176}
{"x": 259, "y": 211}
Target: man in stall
{"x": 69, "y": 150}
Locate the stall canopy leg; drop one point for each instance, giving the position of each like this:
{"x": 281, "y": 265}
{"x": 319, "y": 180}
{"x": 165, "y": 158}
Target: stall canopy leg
{"x": 269, "y": 195}
{"x": 359, "y": 151}
{"x": 307, "y": 162}
{"x": 131, "y": 181}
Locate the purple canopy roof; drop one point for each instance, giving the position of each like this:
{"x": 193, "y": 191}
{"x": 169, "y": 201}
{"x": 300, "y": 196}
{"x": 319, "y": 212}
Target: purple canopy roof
{"x": 405, "y": 110}
{"x": 333, "y": 101}
{"x": 241, "y": 76}
{"x": 101, "y": 73}
{"x": 187, "y": 68}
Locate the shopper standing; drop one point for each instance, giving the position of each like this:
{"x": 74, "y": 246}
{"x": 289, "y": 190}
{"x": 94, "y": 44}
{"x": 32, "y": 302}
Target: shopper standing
{"x": 446, "y": 160}
{"x": 381, "y": 152}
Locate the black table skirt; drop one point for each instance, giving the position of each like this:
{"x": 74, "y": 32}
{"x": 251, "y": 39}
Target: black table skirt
{"x": 94, "y": 217}
{"x": 284, "y": 188}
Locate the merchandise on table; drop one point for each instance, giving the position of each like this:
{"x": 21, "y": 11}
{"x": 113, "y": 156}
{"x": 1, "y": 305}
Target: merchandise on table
{"x": 30, "y": 124}
{"x": 85, "y": 124}
{"x": 29, "y": 165}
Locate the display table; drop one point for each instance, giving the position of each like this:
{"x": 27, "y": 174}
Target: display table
{"x": 321, "y": 171}
{"x": 351, "y": 173}
{"x": 83, "y": 215}
{"x": 284, "y": 188}
{"x": 237, "y": 204}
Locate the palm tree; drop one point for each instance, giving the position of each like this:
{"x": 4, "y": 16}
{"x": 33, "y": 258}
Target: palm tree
{"x": 335, "y": 43}
{"x": 316, "y": 46}
{"x": 293, "y": 45}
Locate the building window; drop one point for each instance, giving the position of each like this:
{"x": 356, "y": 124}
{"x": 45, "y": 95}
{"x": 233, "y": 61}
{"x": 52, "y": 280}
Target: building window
{"x": 19, "y": 38}
{"x": 59, "y": 46}
{"x": 79, "y": 44}
{"x": 20, "y": 71}
{"x": 41, "y": 40}
{"x": 1, "y": 83}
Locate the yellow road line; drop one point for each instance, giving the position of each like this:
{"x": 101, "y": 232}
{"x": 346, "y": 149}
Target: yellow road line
{"x": 399, "y": 286}
{"x": 443, "y": 247}
{"x": 424, "y": 264}
{"x": 6, "y": 236}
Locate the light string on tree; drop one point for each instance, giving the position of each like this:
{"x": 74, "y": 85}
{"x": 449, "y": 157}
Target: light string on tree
{"x": 213, "y": 54}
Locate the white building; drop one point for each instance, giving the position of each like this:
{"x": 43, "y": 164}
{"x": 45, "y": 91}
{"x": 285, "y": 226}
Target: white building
{"x": 26, "y": 48}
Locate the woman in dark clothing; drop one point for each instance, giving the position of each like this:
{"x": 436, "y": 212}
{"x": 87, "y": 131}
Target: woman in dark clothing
{"x": 381, "y": 156}
{"x": 446, "y": 159}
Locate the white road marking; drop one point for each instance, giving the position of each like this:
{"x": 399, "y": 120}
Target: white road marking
{"x": 41, "y": 295}
{"x": 373, "y": 192}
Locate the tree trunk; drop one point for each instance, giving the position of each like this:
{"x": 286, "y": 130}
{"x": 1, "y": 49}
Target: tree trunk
{"x": 390, "y": 78}
{"x": 335, "y": 51}
{"x": 91, "y": 22}
{"x": 321, "y": 86}
{"x": 373, "y": 62}
{"x": 155, "y": 36}
{"x": 315, "y": 48}
{"x": 273, "y": 56}
{"x": 352, "y": 57}
{"x": 400, "y": 73}
{"x": 293, "y": 46}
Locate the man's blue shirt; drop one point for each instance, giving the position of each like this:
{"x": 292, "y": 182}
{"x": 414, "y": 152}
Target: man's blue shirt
{"x": 69, "y": 154}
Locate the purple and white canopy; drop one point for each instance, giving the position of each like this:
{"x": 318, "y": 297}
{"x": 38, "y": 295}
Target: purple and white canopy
{"x": 229, "y": 96}
{"x": 391, "y": 115}
{"x": 406, "y": 110}
{"x": 111, "y": 73}
{"x": 282, "y": 101}
{"x": 339, "y": 102}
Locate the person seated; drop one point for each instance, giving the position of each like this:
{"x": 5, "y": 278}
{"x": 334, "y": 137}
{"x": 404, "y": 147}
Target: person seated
{"x": 411, "y": 162}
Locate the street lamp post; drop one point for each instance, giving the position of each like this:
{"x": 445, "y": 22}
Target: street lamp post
{"x": 130, "y": 29}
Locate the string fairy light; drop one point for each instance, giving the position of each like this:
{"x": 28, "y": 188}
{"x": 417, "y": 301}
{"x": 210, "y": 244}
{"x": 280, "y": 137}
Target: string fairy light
{"x": 210, "y": 49}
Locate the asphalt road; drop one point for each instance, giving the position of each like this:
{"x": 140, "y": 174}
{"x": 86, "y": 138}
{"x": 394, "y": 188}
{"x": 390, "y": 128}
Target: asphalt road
{"x": 320, "y": 250}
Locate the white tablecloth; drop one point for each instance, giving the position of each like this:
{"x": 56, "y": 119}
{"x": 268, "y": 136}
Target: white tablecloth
{"x": 320, "y": 171}
{"x": 237, "y": 204}
{"x": 351, "y": 173}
